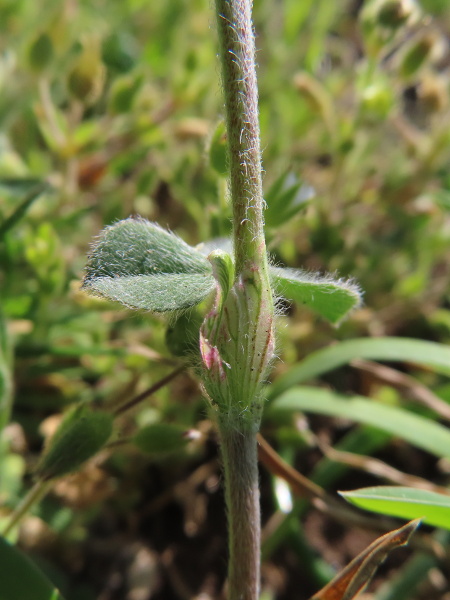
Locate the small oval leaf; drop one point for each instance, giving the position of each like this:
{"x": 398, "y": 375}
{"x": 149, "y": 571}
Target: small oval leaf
{"x": 156, "y": 293}
{"x": 137, "y": 263}
{"x": 182, "y": 336}
{"x": 80, "y": 436}
{"x": 161, "y": 438}
{"x": 138, "y": 247}
{"x": 331, "y": 298}
{"x": 41, "y": 52}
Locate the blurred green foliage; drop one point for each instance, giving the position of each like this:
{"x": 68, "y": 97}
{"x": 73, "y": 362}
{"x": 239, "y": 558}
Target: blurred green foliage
{"x": 117, "y": 108}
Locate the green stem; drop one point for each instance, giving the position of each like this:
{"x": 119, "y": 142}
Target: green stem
{"x": 148, "y": 392}
{"x": 239, "y": 455}
{"x": 237, "y": 338}
{"x": 37, "y": 492}
{"x": 237, "y": 57}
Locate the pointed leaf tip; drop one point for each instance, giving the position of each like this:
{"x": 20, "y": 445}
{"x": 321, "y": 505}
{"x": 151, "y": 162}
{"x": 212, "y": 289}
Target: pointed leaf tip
{"x": 357, "y": 574}
{"x": 403, "y": 502}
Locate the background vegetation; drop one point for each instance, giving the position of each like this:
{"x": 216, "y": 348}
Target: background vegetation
{"x": 117, "y": 106}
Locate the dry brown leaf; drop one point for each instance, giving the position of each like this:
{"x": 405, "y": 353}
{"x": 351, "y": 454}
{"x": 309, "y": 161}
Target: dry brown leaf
{"x": 299, "y": 484}
{"x": 357, "y": 574}
{"x": 303, "y": 487}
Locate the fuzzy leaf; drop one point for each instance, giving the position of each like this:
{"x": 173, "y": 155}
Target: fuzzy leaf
{"x": 161, "y": 438}
{"x": 157, "y": 293}
{"x": 81, "y": 434}
{"x": 331, "y": 298}
{"x": 182, "y": 334}
{"x": 143, "y": 266}
{"x": 138, "y": 247}
{"x": 223, "y": 269}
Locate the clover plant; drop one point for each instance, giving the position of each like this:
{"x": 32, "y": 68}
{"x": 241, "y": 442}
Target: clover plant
{"x": 145, "y": 267}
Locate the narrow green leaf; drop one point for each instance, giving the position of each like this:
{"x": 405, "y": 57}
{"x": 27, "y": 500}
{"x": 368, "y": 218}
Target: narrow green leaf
{"x": 331, "y": 298}
{"x": 404, "y": 502}
{"x": 417, "y": 430}
{"x": 430, "y": 354}
{"x": 285, "y": 198}
{"x": 123, "y": 93}
{"x": 20, "y": 211}
{"x": 137, "y": 263}
{"x": 218, "y": 150}
{"x": 20, "y": 579}
{"x": 19, "y": 185}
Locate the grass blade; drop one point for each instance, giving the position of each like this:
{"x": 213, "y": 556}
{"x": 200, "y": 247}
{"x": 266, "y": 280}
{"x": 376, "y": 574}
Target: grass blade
{"x": 20, "y": 211}
{"x": 416, "y": 430}
{"x": 430, "y": 354}
{"x": 403, "y": 502}
{"x": 20, "y": 579}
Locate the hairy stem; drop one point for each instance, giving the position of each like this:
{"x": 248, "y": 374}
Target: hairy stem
{"x": 237, "y": 57}
{"x": 238, "y": 358}
{"x": 239, "y": 455}
{"x": 37, "y": 492}
{"x": 148, "y": 392}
